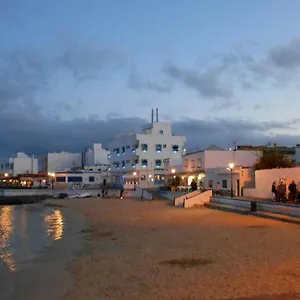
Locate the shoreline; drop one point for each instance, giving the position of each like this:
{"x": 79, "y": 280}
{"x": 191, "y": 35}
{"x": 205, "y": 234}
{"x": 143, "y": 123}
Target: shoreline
{"x": 49, "y": 276}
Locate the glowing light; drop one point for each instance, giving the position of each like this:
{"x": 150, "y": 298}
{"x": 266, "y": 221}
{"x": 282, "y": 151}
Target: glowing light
{"x": 6, "y": 175}
{"x": 173, "y": 171}
{"x": 134, "y": 173}
{"x": 231, "y": 166}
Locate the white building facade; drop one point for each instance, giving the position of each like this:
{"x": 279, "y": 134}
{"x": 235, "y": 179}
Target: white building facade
{"x": 142, "y": 155}
{"x": 61, "y": 162}
{"x": 210, "y": 168}
{"x": 21, "y": 164}
{"x": 95, "y": 156}
{"x": 297, "y": 154}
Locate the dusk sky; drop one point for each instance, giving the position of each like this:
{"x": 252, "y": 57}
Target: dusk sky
{"x": 73, "y": 72}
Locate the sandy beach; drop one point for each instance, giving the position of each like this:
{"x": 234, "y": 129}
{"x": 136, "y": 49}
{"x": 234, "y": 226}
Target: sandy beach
{"x": 150, "y": 250}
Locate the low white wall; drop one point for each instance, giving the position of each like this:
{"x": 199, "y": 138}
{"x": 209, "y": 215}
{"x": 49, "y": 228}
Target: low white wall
{"x": 198, "y": 199}
{"x": 265, "y": 178}
{"x": 179, "y": 201}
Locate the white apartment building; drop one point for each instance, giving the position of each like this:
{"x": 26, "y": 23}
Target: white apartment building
{"x": 21, "y": 164}
{"x": 95, "y": 156}
{"x": 141, "y": 155}
{"x": 61, "y": 162}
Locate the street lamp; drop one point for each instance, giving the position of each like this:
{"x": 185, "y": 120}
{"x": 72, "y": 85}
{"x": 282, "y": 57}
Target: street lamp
{"x": 134, "y": 179}
{"x": 52, "y": 175}
{"x": 231, "y": 166}
{"x": 6, "y": 175}
{"x": 173, "y": 171}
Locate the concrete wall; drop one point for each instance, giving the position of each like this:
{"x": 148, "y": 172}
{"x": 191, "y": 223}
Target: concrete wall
{"x": 95, "y": 156}
{"x": 200, "y": 199}
{"x": 179, "y": 201}
{"x": 265, "y": 178}
{"x": 143, "y": 194}
{"x": 62, "y": 161}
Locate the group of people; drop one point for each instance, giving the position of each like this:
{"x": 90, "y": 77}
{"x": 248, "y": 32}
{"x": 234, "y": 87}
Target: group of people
{"x": 280, "y": 193}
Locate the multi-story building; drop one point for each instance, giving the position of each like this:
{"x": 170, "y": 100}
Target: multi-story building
{"x": 95, "y": 156}
{"x": 21, "y": 164}
{"x": 61, "y": 162}
{"x": 142, "y": 155}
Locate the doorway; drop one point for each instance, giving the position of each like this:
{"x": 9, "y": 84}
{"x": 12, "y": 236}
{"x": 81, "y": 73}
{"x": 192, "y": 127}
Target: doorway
{"x": 238, "y": 187}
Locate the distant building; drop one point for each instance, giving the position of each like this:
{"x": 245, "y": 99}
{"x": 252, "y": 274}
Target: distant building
{"x": 297, "y": 154}
{"x": 95, "y": 156}
{"x": 141, "y": 155}
{"x": 61, "y": 161}
{"x": 21, "y": 164}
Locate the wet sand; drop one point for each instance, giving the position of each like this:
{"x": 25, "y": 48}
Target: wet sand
{"x": 141, "y": 250}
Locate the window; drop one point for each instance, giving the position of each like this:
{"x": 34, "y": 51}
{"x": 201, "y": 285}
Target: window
{"x": 186, "y": 163}
{"x": 143, "y": 177}
{"x": 123, "y": 163}
{"x": 199, "y": 163}
{"x": 144, "y": 163}
{"x": 118, "y": 151}
{"x": 210, "y": 183}
{"x": 123, "y": 149}
{"x": 11, "y": 166}
{"x": 60, "y": 179}
{"x": 161, "y": 132}
{"x": 133, "y": 165}
{"x": 193, "y": 163}
{"x": 108, "y": 155}
{"x": 164, "y": 146}
{"x": 158, "y": 163}
{"x": 74, "y": 179}
{"x": 175, "y": 148}
{"x": 158, "y": 147}
{"x": 224, "y": 183}
{"x": 144, "y": 147}
{"x": 91, "y": 179}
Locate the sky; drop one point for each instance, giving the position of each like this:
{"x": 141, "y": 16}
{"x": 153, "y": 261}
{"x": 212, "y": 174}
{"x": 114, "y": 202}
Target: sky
{"x": 74, "y": 72}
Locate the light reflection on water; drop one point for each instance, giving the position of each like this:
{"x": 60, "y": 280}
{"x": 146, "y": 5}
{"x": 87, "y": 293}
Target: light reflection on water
{"x": 25, "y": 231}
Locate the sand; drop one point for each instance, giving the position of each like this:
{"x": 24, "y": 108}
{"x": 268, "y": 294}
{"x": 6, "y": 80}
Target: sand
{"x": 141, "y": 250}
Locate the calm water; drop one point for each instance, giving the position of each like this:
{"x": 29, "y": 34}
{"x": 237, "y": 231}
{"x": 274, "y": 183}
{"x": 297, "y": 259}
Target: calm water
{"x": 29, "y": 235}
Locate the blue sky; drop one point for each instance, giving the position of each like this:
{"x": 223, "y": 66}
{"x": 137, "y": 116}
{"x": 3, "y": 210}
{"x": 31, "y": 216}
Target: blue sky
{"x": 202, "y": 63}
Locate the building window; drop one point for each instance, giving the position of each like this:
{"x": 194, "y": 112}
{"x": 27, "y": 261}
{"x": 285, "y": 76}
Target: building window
{"x": 186, "y": 163}
{"x": 158, "y": 163}
{"x": 144, "y": 147}
{"x": 133, "y": 150}
{"x": 164, "y": 146}
{"x": 144, "y": 163}
{"x": 118, "y": 151}
{"x": 133, "y": 166}
{"x": 123, "y": 164}
{"x": 224, "y": 183}
{"x": 108, "y": 155}
{"x": 161, "y": 132}
{"x": 136, "y": 161}
{"x": 175, "y": 148}
{"x": 158, "y": 147}
{"x": 123, "y": 149}
{"x": 74, "y": 179}
{"x": 60, "y": 179}
{"x": 193, "y": 164}
{"x": 143, "y": 177}
{"x": 210, "y": 183}
{"x": 91, "y": 179}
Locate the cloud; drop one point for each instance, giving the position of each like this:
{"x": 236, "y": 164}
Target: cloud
{"x": 286, "y": 56}
{"x": 135, "y": 82}
{"x": 46, "y": 133}
{"x": 207, "y": 83}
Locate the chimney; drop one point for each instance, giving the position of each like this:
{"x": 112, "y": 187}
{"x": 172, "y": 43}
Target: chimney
{"x": 152, "y": 115}
{"x": 157, "y": 115}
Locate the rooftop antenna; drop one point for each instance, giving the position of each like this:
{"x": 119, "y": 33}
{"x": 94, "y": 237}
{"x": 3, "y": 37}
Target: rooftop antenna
{"x": 157, "y": 115}
{"x": 152, "y": 115}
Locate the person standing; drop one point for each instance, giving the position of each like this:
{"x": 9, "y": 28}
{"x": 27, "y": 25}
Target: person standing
{"x": 293, "y": 191}
{"x": 282, "y": 191}
{"x": 274, "y": 191}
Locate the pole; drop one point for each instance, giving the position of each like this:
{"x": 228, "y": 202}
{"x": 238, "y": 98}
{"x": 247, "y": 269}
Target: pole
{"x": 231, "y": 183}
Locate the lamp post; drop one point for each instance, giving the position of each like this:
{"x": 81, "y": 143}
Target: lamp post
{"x": 231, "y": 166}
{"x": 134, "y": 179}
{"x": 52, "y": 175}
